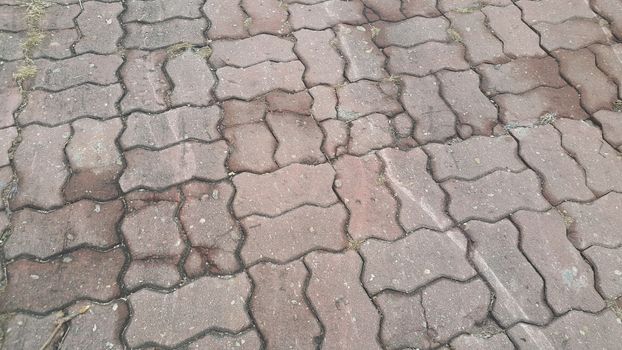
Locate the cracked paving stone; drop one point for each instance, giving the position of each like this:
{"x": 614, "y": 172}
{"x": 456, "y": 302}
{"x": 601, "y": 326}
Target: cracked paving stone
{"x": 248, "y": 340}
{"x": 360, "y": 183}
{"x": 364, "y": 59}
{"x": 403, "y": 322}
{"x": 294, "y": 233}
{"x": 326, "y": 14}
{"x": 173, "y": 165}
{"x": 297, "y": 102}
{"x": 520, "y": 75}
{"x": 481, "y": 45}
{"x": 273, "y": 193}
{"x": 99, "y": 27}
{"x": 280, "y": 308}
{"x": 569, "y": 279}
{"x": 145, "y": 83}
{"x": 227, "y": 20}
{"x": 84, "y": 223}
{"x": 173, "y": 126}
{"x": 266, "y": 16}
{"x": 517, "y": 38}
{"x": 607, "y": 267}
{"x": 299, "y": 138}
{"x": 554, "y": 11}
{"x": 162, "y": 34}
{"x": 572, "y": 34}
{"x": 191, "y": 78}
{"x": 487, "y": 198}
{"x": 412, "y": 31}
{"x": 23, "y": 331}
{"x": 499, "y": 341}
{"x": 325, "y": 103}
{"x": 563, "y": 179}
{"x": 370, "y": 133}
{"x": 519, "y": 289}
{"x": 82, "y": 274}
{"x": 250, "y": 51}
{"x": 99, "y": 328}
{"x": 426, "y": 58}
{"x": 366, "y": 97}
{"x": 250, "y": 82}
{"x": 252, "y": 148}
{"x": 342, "y": 305}
{"x": 168, "y": 319}
{"x": 87, "y": 68}
{"x": 7, "y": 137}
{"x": 414, "y": 261}
{"x": 595, "y": 223}
{"x": 316, "y": 49}
{"x": 160, "y": 10}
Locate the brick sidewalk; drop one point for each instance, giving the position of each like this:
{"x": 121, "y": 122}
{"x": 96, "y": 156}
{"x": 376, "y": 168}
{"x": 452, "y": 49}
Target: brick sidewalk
{"x": 311, "y": 174}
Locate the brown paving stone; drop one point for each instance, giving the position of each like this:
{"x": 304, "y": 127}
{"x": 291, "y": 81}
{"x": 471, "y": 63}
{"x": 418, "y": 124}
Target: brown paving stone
{"x": 82, "y": 274}
{"x": 366, "y": 97}
{"x": 596, "y": 89}
{"x": 425, "y": 8}
{"x": 144, "y": 81}
{"x": 100, "y": 327}
{"x": 280, "y": 308}
{"x": 414, "y": 261}
{"x": 7, "y": 136}
{"x": 369, "y": 133}
{"x": 434, "y": 120}
{"x": 595, "y": 223}
{"x": 602, "y": 163}
{"x": 140, "y": 199}
{"x": 162, "y": 34}
{"x": 554, "y": 11}
{"x": 326, "y": 14}
{"x": 563, "y": 178}
{"x": 609, "y": 60}
{"x": 324, "y": 103}
{"x": 569, "y": 279}
{"x": 87, "y": 68}
{"x": 247, "y": 83}
{"x": 99, "y": 27}
{"x": 245, "y": 341}
{"x": 364, "y": 60}
{"x": 226, "y": 19}
{"x": 299, "y": 138}
{"x": 168, "y": 319}
{"x": 574, "y": 330}
{"x": 612, "y": 11}
{"x": 473, "y": 109}
{"x": 606, "y": 263}
{"x": 175, "y": 125}
{"x": 57, "y": 44}
{"x": 528, "y": 108}
{"x": 40, "y": 166}
{"x": 287, "y": 188}
{"x": 518, "y": 287}
{"x": 481, "y": 45}
{"x": 402, "y": 124}
{"x": 294, "y": 233}
{"x": 572, "y": 34}
{"x": 160, "y": 10}
{"x": 88, "y": 100}
{"x": 173, "y": 165}
{"x": 520, "y": 75}
{"x": 58, "y": 17}
{"x": 499, "y": 341}
{"x": 611, "y": 124}
{"x": 387, "y": 9}
{"x": 517, "y": 38}
{"x": 264, "y": 47}
{"x": 192, "y": 79}
{"x": 23, "y": 331}
{"x": 238, "y": 112}
{"x": 412, "y": 31}
{"x": 11, "y": 98}
{"x": 403, "y": 322}
{"x": 487, "y": 197}
{"x": 338, "y": 299}
{"x": 266, "y": 16}
{"x": 252, "y": 148}
{"x": 316, "y": 49}
{"x": 10, "y": 45}
{"x": 161, "y": 272}
{"x": 335, "y": 137}
{"x": 297, "y": 102}
{"x": 84, "y": 223}
{"x": 426, "y": 58}
{"x": 373, "y": 210}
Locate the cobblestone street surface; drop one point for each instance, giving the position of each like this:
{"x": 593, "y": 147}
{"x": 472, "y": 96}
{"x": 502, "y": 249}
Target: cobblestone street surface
{"x": 311, "y": 174}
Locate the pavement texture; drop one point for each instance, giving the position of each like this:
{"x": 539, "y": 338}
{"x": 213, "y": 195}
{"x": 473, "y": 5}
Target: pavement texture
{"x": 309, "y": 174}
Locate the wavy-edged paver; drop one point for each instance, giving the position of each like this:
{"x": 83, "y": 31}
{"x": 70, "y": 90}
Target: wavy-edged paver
{"x": 594, "y": 223}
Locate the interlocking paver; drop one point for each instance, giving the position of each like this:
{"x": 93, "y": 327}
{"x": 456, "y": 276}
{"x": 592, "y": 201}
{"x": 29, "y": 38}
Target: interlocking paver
{"x": 335, "y": 137}
{"x": 25, "y": 331}
{"x": 87, "y": 68}
{"x": 520, "y": 75}
{"x": 12, "y": 99}
{"x": 611, "y": 123}
{"x": 517, "y": 38}
{"x": 248, "y": 340}
{"x": 386, "y": 9}
{"x": 264, "y": 47}
{"x": 323, "y": 63}
{"x": 609, "y": 60}
{"x": 99, "y": 327}
{"x": 250, "y": 82}
{"x": 594, "y": 223}
{"x": 324, "y": 103}
{"x": 299, "y": 138}
{"x": 572, "y": 34}
{"x": 192, "y": 79}
{"x": 145, "y": 83}
{"x": 58, "y": 43}
{"x": 297, "y": 102}
{"x": 606, "y": 263}
{"x": 7, "y": 136}
{"x": 227, "y": 20}
{"x": 99, "y": 27}
{"x": 404, "y": 322}
{"x": 412, "y": 31}
{"x": 498, "y": 341}
{"x": 366, "y": 97}
{"x": 266, "y": 16}
{"x": 426, "y": 58}
{"x": 326, "y": 14}
{"x": 425, "y": 8}
{"x": 161, "y": 34}
{"x": 160, "y": 10}
{"x": 363, "y": 59}
{"x": 252, "y": 148}
{"x": 238, "y": 112}
{"x": 469, "y": 5}
{"x": 481, "y": 45}
{"x": 554, "y": 11}
{"x": 612, "y": 11}
{"x": 369, "y": 133}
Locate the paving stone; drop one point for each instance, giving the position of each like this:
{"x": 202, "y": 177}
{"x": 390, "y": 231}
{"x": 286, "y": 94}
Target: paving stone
{"x": 11, "y": 18}
{"x": 425, "y": 8}
{"x": 245, "y": 341}
{"x": 422, "y": 201}
{"x": 326, "y": 14}
{"x": 434, "y": 120}
{"x": 481, "y": 45}
{"x": 263, "y": 47}
{"x": 99, "y": 27}
{"x": 403, "y": 322}
{"x": 335, "y": 137}
{"x": 453, "y": 307}
{"x": 611, "y": 124}
{"x": 426, "y": 58}
{"x": 238, "y": 112}
{"x": 486, "y": 198}
{"x": 57, "y": 44}
{"x": 6, "y": 142}
{"x": 176, "y": 164}
{"x": 297, "y": 102}
{"x": 369, "y": 133}
{"x": 88, "y": 100}
{"x": 366, "y": 97}
{"x": 23, "y": 331}
{"x": 266, "y": 16}
{"x": 316, "y": 49}
{"x": 299, "y": 138}
{"x": 195, "y": 264}
{"x": 6, "y": 178}
{"x": 141, "y": 199}
{"x": 161, "y": 272}
{"x": 10, "y": 45}
{"x": 175, "y": 125}
{"x": 280, "y": 308}
{"x": 324, "y": 103}
{"x": 12, "y": 98}
{"x": 572, "y": 34}
{"x": 602, "y": 164}
{"x": 412, "y": 31}
{"x": 499, "y": 341}
{"x": 294, "y": 233}
{"x": 82, "y": 274}
{"x": 99, "y": 327}
{"x": 274, "y": 193}
{"x": 169, "y": 319}
{"x": 338, "y": 299}
{"x": 468, "y": 5}
{"x": 518, "y": 287}
{"x": 554, "y": 11}
{"x": 386, "y": 9}
{"x": 58, "y": 16}
{"x": 252, "y": 148}
{"x": 84, "y": 223}
{"x": 609, "y": 61}
{"x": 227, "y": 20}
{"x": 145, "y": 83}
{"x": 247, "y": 83}
{"x": 87, "y": 68}
{"x": 402, "y": 124}
{"x": 528, "y": 108}
{"x": 595, "y": 223}
{"x": 209, "y": 225}
{"x": 473, "y": 108}
{"x": 569, "y": 279}
{"x": 574, "y": 330}
{"x": 160, "y": 10}
{"x": 563, "y": 179}
{"x": 162, "y": 34}
{"x": 606, "y": 263}
{"x": 612, "y": 11}
{"x": 39, "y": 164}
{"x": 517, "y": 38}
{"x": 520, "y": 75}
{"x": 414, "y": 261}
{"x": 364, "y": 59}
{"x": 361, "y": 185}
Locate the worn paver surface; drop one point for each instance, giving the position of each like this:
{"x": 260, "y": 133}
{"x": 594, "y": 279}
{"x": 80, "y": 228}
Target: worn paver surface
{"x": 310, "y": 174}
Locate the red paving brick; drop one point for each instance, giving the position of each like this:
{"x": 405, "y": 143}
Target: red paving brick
{"x": 311, "y": 174}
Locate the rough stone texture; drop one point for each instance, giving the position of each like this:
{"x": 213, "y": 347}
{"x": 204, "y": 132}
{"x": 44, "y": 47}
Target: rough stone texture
{"x": 296, "y": 102}
{"x": 369, "y": 133}
{"x": 427, "y": 58}
{"x": 145, "y": 82}
{"x": 238, "y": 112}
{"x": 99, "y": 327}
{"x": 58, "y": 43}
{"x": 299, "y": 138}
{"x": 99, "y": 27}
{"x": 520, "y": 75}
{"x": 160, "y": 10}
{"x": 572, "y": 34}
{"x": 554, "y": 11}
{"x": 364, "y": 60}
{"x": 12, "y": 99}
{"x": 247, "y": 83}
{"x": 606, "y": 263}
{"x": 226, "y": 19}
{"x": 612, "y": 11}
{"x": 481, "y": 45}
{"x": 87, "y": 68}
{"x": 264, "y": 48}
{"x": 22, "y": 331}
{"x": 611, "y": 123}
{"x": 412, "y": 31}
{"x": 324, "y": 103}
{"x": 595, "y": 223}
{"x": 366, "y": 97}
{"x": 161, "y": 272}
{"x": 404, "y": 321}
{"x": 468, "y": 5}
{"x": 192, "y": 79}
{"x": 499, "y": 341}
{"x": 245, "y": 341}
{"x": 162, "y": 34}
{"x": 335, "y": 137}
{"x": 325, "y": 14}
{"x": 252, "y": 148}
{"x": 266, "y": 16}
{"x": 10, "y": 44}
{"x": 517, "y": 38}
{"x": 323, "y": 63}
{"x": 425, "y": 8}
{"x": 7, "y": 136}
{"x": 569, "y": 279}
